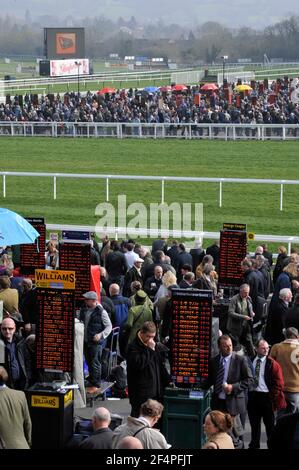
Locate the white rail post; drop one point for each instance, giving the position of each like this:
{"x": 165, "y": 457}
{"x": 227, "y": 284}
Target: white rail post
{"x": 4, "y": 185}
{"x": 162, "y": 191}
{"x": 281, "y": 197}
{"x": 220, "y": 194}
{"x": 107, "y": 189}
{"x": 55, "y": 193}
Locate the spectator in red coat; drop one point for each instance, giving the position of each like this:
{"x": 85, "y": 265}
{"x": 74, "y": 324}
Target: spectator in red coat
{"x": 266, "y": 396}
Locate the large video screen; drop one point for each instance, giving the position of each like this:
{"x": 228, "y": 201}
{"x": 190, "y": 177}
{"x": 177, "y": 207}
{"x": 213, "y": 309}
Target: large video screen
{"x": 64, "y": 43}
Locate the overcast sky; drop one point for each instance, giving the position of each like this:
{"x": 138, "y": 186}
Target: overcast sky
{"x": 233, "y": 13}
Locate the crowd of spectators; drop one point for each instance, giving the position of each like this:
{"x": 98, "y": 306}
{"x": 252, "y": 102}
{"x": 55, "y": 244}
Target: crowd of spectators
{"x": 136, "y": 289}
{"x": 266, "y": 103}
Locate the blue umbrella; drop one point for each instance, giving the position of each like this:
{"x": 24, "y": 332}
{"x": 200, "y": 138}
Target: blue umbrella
{"x": 14, "y": 229}
{"x": 151, "y": 89}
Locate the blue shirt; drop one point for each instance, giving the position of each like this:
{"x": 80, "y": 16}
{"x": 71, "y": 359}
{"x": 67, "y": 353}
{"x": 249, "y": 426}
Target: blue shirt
{"x": 226, "y": 363}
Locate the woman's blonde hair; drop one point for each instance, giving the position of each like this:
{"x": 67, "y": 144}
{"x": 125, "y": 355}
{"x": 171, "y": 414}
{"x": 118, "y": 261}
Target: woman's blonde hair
{"x": 291, "y": 269}
{"x": 169, "y": 279}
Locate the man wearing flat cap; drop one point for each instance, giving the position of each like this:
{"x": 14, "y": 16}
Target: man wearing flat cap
{"x": 134, "y": 274}
{"x": 97, "y": 327}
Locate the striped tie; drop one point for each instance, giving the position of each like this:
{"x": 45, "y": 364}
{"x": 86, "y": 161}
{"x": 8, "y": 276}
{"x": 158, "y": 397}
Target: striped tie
{"x": 219, "y": 377}
{"x": 257, "y": 372}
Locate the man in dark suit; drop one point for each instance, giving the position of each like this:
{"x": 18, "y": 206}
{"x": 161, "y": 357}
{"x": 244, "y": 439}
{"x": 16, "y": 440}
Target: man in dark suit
{"x": 251, "y": 278}
{"x": 102, "y": 435}
{"x": 292, "y": 316}
{"x": 147, "y": 374}
{"x": 231, "y": 377}
{"x": 183, "y": 258}
{"x": 266, "y": 396}
{"x": 276, "y": 317}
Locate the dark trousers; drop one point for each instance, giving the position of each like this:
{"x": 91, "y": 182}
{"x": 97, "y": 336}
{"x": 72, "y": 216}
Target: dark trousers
{"x": 259, "y": 407}
{"x": 218, "y": 404}
{"x": 93, "y": 355}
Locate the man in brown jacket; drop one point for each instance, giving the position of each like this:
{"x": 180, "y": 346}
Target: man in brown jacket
{"x": 287, "y": 355}
{"x": 15, "y": 422}
{"x": 9, "y": 296}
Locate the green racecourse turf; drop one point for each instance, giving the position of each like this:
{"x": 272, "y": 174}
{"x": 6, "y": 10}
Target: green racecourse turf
{"x": 256, "y": 205}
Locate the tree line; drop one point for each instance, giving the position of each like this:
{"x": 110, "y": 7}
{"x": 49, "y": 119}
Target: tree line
{"x": 206, "y": 42}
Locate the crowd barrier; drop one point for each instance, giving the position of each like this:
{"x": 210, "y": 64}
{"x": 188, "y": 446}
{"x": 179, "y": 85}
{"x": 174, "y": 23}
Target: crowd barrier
{"x": 151, "y": 131}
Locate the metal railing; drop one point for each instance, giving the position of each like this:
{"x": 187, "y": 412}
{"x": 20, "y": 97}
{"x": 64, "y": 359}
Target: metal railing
{"x": 163, "y": 179}
{"x": 153, "y": 233}
{"x": 138, "y": 130}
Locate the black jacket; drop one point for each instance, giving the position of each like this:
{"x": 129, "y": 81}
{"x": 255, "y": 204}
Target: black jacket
{"x": 151, "y": 286}
{"x": 251, "y": 278}
{"x": 131, "y": 276}
{"x": 24, "y": 360}
{"x": 183, "y": 258}
{"x": 279, "y": 266}
{"x": 214, "y": 250}
{"x": 29, "y": 306}
{"x": 197, "y": 257}
{"x": 116, "y": 264}
{"x": 284, "y": 435}
{"x": 147, "y": 375}
{"x": 291, "y": 317}
{"x": 275, "y": 322}
{"x": 101, "y": 439}
{"x": 95, "y": 324}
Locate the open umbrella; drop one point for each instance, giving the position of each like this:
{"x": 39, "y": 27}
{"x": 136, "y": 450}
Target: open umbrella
{"x": 165, "y": 89}
{"x": 14, "y": 229}
{"x": 106, "y": 90}
{"x": 151, "y": 89}
{"x": 209, "y": 87}
{"x": 243, "y": 87}
{"x": 179, "y": 88}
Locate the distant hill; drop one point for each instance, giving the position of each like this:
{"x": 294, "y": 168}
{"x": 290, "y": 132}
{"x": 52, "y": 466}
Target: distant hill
{"x": 234, "y": 13}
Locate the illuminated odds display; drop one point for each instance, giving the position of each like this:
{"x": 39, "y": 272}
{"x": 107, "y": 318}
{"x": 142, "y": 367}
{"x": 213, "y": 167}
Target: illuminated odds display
{"x": 55, "y": 330}
{"x": 233, "y": 249}
{"x": 76, "y": 257}
{"x": 190, "y": 336}
{"x": 32, "y": 255}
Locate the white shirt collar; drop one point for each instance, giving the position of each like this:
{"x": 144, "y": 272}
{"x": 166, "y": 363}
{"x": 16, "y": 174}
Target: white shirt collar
{"x": 262, "y": 359}
{"x": 226, "y": 358}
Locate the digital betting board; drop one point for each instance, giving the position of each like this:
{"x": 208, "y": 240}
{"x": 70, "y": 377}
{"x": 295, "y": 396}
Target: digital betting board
{"x": 55, "y": 330}
{"x": 233, "y": 249}
{"x": 190, "y": 337}
{"x": 32, "y": 255}
{"x": 76, "y": 257}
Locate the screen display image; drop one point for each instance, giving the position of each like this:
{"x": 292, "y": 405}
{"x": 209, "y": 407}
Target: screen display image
{"x": 32, "y": 255}
{"x": 64, "y": 43}
{"x": 55, "y": 330}
{"x": 190, "y": 338}
{"x": 76, "y": 257}
{"x": 233, "y": 249}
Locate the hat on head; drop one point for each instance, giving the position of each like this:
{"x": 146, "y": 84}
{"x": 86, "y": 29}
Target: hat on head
{"x": 141, "y": 294}
{"x": 91, "y": 295}
{"x": 139, "y": 260}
